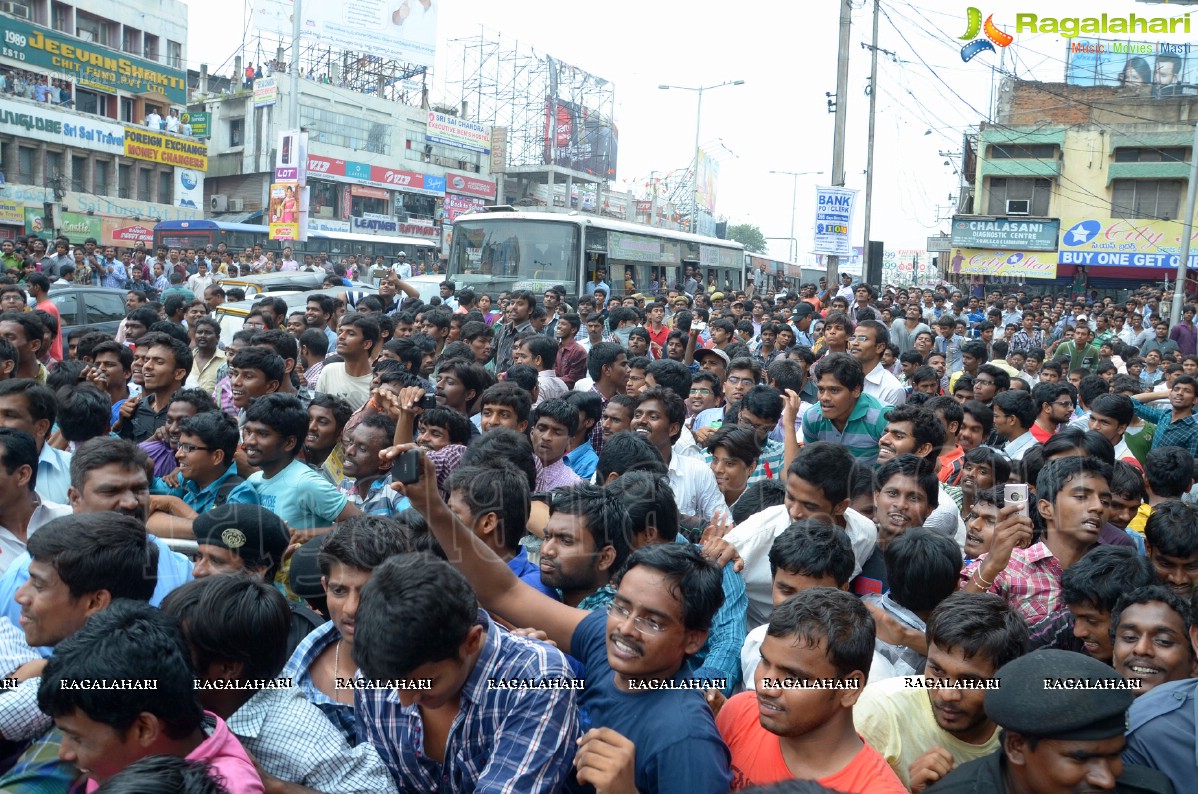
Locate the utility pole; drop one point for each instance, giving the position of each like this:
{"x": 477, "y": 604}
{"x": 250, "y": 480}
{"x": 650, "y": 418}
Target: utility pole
{"x": 842, "y": 96}
{"x": 1187, "y": 225}
{"x": 869, "y": 155}
{"x": 296, "y": 31}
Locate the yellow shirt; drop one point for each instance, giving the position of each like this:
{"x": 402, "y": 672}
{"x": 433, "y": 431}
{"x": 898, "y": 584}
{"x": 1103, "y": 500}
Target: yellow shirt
{"x": 896, "y": 719}
{"x": 1138, "y": 523}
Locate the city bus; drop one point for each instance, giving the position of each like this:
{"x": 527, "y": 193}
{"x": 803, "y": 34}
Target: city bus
{"x": 239, "y": 236}
{"x": 500, "y": 249}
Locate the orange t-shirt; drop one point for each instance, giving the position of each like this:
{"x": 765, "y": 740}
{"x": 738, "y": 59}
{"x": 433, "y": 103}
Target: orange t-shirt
{"x": 757, "y": 755}
{"x": 1040, "y": 434}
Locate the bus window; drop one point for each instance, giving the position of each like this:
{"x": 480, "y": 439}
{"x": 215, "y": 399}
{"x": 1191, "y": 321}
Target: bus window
{"x": 515, "y": 254}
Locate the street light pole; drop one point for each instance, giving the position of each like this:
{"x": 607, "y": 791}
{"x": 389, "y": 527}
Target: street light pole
{"x": 698, "y": 122}
{"x": 793, "y": 250}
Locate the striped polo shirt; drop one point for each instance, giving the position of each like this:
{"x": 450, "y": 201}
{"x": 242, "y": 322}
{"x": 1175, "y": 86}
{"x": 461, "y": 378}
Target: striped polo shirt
{"x": 863, "y": 430}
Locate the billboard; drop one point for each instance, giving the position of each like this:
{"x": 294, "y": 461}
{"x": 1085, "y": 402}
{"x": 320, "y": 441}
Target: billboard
{"x": 1123, "y": 242}
{"x": 1013, "y": 234}
{"x": 906, "y": 267}
{"x": 462, "y": 133}
{"x": 189, "y": 188}
{"x": 580, "y": 139}
{"x": 834, "y": 220}
{"x": 160, "y": 147}
{"x": 266, "y": 92}
{"x": 1164, "y": 67}
{"x": 402, "y": 31}
{"x": 707, "y": 173}
{"x": 89, "y": 64}
{"x": 284, "y": 212}
{"x": 1010, "y": 264}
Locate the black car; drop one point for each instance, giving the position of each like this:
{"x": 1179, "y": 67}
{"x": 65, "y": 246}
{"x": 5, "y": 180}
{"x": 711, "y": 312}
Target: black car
{"x": 98, "y": 308}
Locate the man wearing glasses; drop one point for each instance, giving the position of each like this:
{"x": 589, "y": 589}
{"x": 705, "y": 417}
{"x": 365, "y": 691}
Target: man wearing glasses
{"x": 1054, "y": 406}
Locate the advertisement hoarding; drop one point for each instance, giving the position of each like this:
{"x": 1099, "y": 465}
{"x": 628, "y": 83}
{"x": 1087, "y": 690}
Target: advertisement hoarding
{"x": 266, "y": 92}
{"x": 1005, "y": 234}
{"x": 1156, "y": 66}
{"x": 165, "y": 149}
{"x": 834, "y": 220}
{"x": 395, "y": 31}
{"x": 89, "y": 64}
{"x": 905, "y": 267}
{"x": 467, "y": 185}
{"x": 189, "y": 188}
{"x": 462, "y": 133}
{"x": 579, "y": 138}
{"x": 377, "y": 175}
{"x": 284, "y": 212}
{"x": 1122, "y": 242}
{"x": 705, "y": 181}
{"x": 200, "y": 124}
{"x": 1009, "y": 264}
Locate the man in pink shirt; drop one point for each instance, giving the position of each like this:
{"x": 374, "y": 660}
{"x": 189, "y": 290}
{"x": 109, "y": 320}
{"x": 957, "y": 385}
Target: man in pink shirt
{"x": 122, "y": 688}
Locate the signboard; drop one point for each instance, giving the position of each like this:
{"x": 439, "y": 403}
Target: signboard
{"x": 1119, "y": 242}
{"x": 74, "y": 225}
{"x": 189, "y": 188}
{"x": 159, "y": 147}
{"x": 906, "y": 267}
{"x": 1010, "y": 264}
{"x": 87, "y": 63}
{"x": 393, "y": 31}
{"x": 456, "y": 206}
{"x": 284, "y": 212}
{"x": 705, "y": 182}
{"x": 371, "y": 223}
{"x": 12, "y": 213}
{"x": 636, "y": 248}
{"x": 200, "y": 124}
{"x": 939, "y": 243}
{"x": 106, "y": 206}
{"x": 42, "y": 123}
{"x": 419, "y": 229}
{"x": 326, "y": 225}
{"x": 834, "y": 220}
{"x": 266, "y": 92}
{"x": 462, "y": 133}
{"x": 377, "y": 175}
{"x": 1011, "y": 234}
{"x": 122, "y": 232}
{"x": 498, "y": 150}
{"x": 369, "y": 192}
{"x": 291, "y": 157}
{"x": 1156, "y": 67}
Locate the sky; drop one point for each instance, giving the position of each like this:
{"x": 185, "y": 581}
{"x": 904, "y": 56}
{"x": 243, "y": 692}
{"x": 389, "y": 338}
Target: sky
{"x": 778, "y": 120}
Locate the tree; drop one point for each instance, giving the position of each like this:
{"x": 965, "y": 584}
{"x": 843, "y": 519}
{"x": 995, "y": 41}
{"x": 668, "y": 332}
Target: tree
{"x": 749, "y": 236}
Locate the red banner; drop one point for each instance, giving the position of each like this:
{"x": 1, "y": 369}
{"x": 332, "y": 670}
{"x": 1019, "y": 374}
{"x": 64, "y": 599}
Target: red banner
{"x": 392, "y": 176}
{"x": 467, "y": 185}
{"x": 325, "y": 166}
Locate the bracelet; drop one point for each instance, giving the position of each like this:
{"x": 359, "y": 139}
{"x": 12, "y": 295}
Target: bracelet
{"x": 977, "y": 573}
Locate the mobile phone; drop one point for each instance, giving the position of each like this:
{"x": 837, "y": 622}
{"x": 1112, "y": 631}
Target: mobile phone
{"x": 1016, "y": 494}
{"x": 428, "y": 401}
{"x": 406, "y": 468}
{"x": 700, "y": 327}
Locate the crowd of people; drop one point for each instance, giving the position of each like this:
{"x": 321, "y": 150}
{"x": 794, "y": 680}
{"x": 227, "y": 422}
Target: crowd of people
{"x": 843, "y": 539}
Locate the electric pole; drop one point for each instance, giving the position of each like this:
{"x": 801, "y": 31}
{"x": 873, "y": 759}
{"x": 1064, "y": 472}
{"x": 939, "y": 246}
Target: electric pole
{"x": 842, "y": 95}
{"x": 869, "y": 162}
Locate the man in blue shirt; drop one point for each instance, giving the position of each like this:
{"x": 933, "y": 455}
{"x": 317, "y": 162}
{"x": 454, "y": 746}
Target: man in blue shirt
{"x": 600, "y": 282}
{"x": 637, "y": 725}
{"x": 582, "y": 457}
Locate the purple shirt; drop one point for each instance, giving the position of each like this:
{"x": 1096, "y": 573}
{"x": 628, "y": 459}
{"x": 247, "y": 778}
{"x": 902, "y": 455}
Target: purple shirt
{"x": 1186, "y": 337}
{"x": 555, "y": 475}
{"x": 163, "y": 456}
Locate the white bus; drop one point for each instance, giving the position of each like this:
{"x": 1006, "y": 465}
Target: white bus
{"x": 502, "y": 250}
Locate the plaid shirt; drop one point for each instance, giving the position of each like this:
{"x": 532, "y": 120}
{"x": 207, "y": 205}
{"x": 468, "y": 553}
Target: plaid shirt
{"x": 865, "y": 427}
{"x": 39, "y": 770}
{"x": 312, "y": 374}
{"x": 291, "y": 739}
{"x": 1022, "y": 341}
{"x": 299, "y": 670}
{"x": 1183, "y": 433}
{"x": 769, "y": 462}
{"x": 1031, "y": 582}
{"x": 503, "y": 741}
{"x": 597, "y": 430}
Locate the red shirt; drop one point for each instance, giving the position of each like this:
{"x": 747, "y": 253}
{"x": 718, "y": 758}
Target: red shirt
{"x": 56, "y": 346}
{"x": 1040, "y": 434}
{"x": 658, "y": 338}
{"x": 951, "y": 464}
{"x": 757, "y": 755}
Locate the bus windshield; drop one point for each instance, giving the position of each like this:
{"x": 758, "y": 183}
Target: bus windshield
{"x": 514, "y": 254}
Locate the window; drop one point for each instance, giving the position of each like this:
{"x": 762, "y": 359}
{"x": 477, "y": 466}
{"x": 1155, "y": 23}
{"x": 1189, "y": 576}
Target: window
{"x": 145, "y": 177}
{"x": 53, "y": 165}
{"x": 127, "y": 110}
{"x": 151, "y": 48}
{"x": 60, "y": 16}
{"x": 166, "y": 187}
{"x": 79, "y": 174}
{"x": 105, "y": 307}
{"x": 92, "y": 102}
{"x": 351, "y": 132}
{"x": 1033, "y": 151}
{"x": 26, "y": 158}
{"x": 1173, "y": 154}
{"x": 100, "y": 171}
{"x": 1146, "y": 198}
{"x": 360, "y": 205}
{"x": 323, "y": 199}
{"x": 68, "y": 308}
{"x": 236, "y": 132}
{"x": 90, "y": 28}
{"x": 1004, "y": 189}
{"x": 174, "y": 54}
{"x": 124, "y": 187}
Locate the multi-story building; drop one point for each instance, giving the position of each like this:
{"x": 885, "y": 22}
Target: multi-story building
{"x": 78, "y": 85}
{"x": 1072, "y": 181}
{"x": 374, "y": 166}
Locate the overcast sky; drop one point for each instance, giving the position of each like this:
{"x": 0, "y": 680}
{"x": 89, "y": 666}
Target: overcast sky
{"x": 786, "y": 54}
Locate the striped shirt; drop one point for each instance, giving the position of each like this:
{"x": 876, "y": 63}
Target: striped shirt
{"x": 503, "y": 741}
{"x": 865, "y": 427}
{"x": 770, "y": 463}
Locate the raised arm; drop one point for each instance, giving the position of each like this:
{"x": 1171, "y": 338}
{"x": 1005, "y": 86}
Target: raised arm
{"x": 499, "y": 590}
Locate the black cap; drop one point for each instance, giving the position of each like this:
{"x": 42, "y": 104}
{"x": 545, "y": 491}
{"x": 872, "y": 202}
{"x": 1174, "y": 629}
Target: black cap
{"x": 304, "y": 576}
{"x": 254, "y": 533}
{"x": 802, "y": 309}
{"x": 1052, "y": 694}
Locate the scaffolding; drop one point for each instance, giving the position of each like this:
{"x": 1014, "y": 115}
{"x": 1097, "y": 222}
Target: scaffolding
{"x": 501, "y": 82}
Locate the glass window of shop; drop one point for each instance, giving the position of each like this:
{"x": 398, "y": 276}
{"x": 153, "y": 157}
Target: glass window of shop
{"x": 415, "y": 205}
{"x": 341, "y": 129}
{"x": 323, "y": 199}
{"x": 360, "y": 205}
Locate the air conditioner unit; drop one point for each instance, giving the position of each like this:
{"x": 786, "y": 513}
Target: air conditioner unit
{"x": 218, "y": 202}
{"x": 1019, "y": 207}
{"x": 236, "y": 205}
{"x": 15, "y": 9}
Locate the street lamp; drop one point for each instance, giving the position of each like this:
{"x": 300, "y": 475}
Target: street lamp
{"x": 794, "y": 192}
{"x": 698, "y": 120}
